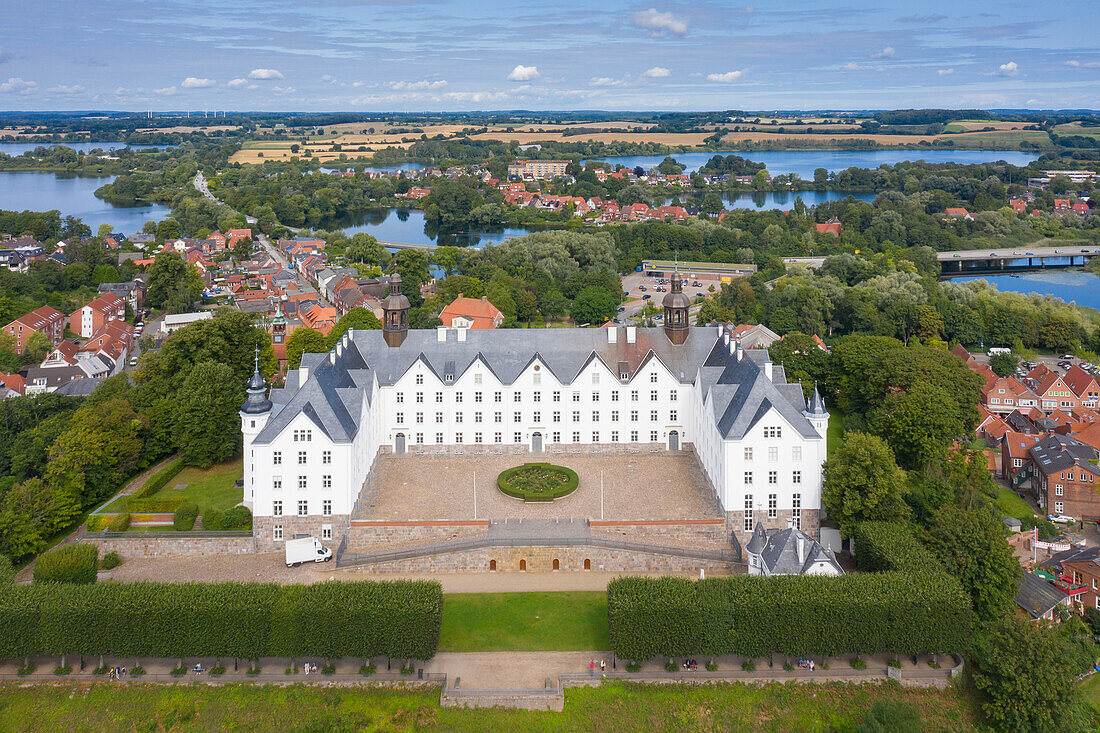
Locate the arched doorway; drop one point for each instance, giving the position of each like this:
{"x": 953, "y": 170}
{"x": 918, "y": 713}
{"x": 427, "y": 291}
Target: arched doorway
{"x": 587, "y": 564}
{"x": 399, "y": 443}
{"x": 536, "y": 442}
{"x": 492, "y": 564}
{"x": 673, "y": 440}
{"x": 522, "y": 565}
{"x": 556, "y": 564}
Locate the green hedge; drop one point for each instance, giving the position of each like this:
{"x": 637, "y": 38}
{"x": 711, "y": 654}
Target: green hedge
{"x": 891, "y": 546}
{"x": 239, "y": 517}
{"x": 76, "y": 563}
{"x": 507, "y": 483}
{"x": 7, "y": 572}
{"x": 399, "y": 619}
{"x": 158, "y": 480}
{"x": 796, "y": 615}
{"x": 120, "y": 523}
{"x": 184, "y": 518}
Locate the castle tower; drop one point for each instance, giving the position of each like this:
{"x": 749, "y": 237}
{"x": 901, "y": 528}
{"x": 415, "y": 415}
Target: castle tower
{"x": 395, "y": 314}
{"x": 676, "y": 306}
{"x": 816, "y": 413}
{"x": 254, "y": 414}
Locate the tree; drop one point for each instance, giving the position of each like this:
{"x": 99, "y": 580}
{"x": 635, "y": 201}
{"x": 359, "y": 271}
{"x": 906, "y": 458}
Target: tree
{"x": 1025, "y": 677}
{"x": 670, "y": 166}
{"x": 303, "y": 341}
{"x": 593, "y": 305}
{"x": 970, "y": 543}
{"x": 359, "y": 319}
{"x": 36, "y": 347}
{"x": 167, "y": 276}
{"x": 207, "y": 422}
{"x": 862, "y": 482}
{"x": 919, "y": 424}
{"x": 1004, "y": 365}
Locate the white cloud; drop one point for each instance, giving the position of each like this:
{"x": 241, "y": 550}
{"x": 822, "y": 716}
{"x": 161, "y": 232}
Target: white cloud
{"x": 265, "y": 74}
{"x": 523, "y": 73}
{"x": 886, "y": 53}
{"x": 328, "y": 78}
{"x": 852, "y": 66}
{"x": 1009, "y": 69}
{"x": 63, "y": 89}
{"x": 417, "y": 85}
{"x": 18, "y": 85}
{"x": 656, "y": 72}
{"x": 477, "y": 96}
{"x": 192, "y": 82}
{"x": 606, "y": 81}
{"x": 283, "y": 90}
{"x": 660, "y": 23}
{"x": 166, "y": 91}
{"x": 1083, "y": 64}
{"x": 945, "y": 72}
{"x": 239, "y": 83}
{"x": 726, "y": 77}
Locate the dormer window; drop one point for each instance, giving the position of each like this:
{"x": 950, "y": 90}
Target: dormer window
{"x": 449, "y": 378}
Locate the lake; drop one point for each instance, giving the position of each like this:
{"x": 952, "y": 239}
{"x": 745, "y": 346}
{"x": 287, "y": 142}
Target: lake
{"x": 13, "y": 148}
{"x": 408, "y": 226}
{"x": 73, "y": 195}
{"x": 762, "y": 200}
{"x": 804, "y": 162}
{"x": 1069, "y": 285}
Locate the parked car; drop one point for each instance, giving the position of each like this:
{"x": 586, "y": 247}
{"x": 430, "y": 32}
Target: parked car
{"x": 1061, "y": 518}
{"x": 647, "y": 296}
{"x": 1067, "y": 357}
{"x": 642, "y": 288}
{"x": 622, "y": 308}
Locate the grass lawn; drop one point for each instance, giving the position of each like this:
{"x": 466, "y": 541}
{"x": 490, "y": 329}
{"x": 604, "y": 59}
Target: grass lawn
{"x": 1012, "y": 505}
{"x": 210, "y": 488}
{"x": 834, "y": 434}
{"x": 612, "y": 707}
{"x": 505, "y": 622}
{"x": 1091, "y": 690}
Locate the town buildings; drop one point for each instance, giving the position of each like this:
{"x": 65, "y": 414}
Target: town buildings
{"x": 44, "y": 320}
{"x": 537, "y": 169}
{"x": 465, "y": 312}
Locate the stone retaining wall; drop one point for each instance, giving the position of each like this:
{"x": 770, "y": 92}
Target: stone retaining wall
{"x": 541, "y": 559}
{"x": 163, "y": 544}
{"x": 363, "y": 534}
{"x": 674, "y": 533}
{"x": 811, "y": 523}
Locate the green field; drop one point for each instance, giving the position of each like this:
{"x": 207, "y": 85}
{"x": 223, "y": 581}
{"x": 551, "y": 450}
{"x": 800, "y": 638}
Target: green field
{"x": 1002, "y": 140}
{"x": 505, "y": 622}
{"x": 210, "y": 488}
{"x": 834, "y": 434}
{"x": 612, "y": 707}
{"x": 1012, "y": 505}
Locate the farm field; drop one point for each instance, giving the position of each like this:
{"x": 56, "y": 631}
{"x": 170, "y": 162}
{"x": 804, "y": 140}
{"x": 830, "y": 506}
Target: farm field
{"x": 616, "y": 706}
{"x": 505, "y": 622}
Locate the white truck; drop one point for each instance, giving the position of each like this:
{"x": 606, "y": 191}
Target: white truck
{"x": 306, "y": 549}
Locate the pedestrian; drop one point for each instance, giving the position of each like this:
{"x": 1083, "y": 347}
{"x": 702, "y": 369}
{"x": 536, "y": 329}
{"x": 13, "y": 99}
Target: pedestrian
{"x": 603, "y": 666}
{"x": 591, "y": 667}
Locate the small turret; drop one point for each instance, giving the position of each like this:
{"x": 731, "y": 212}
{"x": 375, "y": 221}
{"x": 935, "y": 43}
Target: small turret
{"x": 676, "y": 306}
{"x": 257, "y": 402}
{"x": 816, "y": 413}
{"x": 395, "y": 314}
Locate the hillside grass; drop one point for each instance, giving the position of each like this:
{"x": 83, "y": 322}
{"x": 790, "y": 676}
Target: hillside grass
{"x": 507, "y": 622}
{"x": 615, "y": 706}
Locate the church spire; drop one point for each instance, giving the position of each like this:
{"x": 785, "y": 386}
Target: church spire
{"x": 676, "y": 306}
{"x": 257, "y": 402}
{"x": 395, "y": 314}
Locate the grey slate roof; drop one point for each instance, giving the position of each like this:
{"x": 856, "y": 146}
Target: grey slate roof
{"x": 780, "y": 552}
{"x": 332, "y": 396}
{"x": 1062, "y": 452}
{"x": 80, "y": 387}
{"x": 1038, "y": 596}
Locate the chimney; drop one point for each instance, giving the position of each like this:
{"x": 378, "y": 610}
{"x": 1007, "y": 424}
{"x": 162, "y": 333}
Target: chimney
{"x": 740, "y": 352}
{"x": 631, "y": 334}
{"x": 303, "y": 375}
{"x": 440, "y": 334}
{"x": 801, "y": 548}
{"x": 612, "y": 334}
{"x": 462, "y": 334}
{"x": 768, "y": 370}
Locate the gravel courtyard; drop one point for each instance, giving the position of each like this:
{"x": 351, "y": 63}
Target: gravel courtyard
{"x": 636, "y": 486}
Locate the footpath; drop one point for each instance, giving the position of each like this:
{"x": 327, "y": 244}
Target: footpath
{"x": 527, "y": 680}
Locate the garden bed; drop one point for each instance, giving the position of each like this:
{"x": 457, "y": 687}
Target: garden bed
{"x": 538, "y": 482}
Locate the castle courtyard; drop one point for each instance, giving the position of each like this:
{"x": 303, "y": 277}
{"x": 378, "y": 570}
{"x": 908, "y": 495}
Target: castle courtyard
{"x": 636, "y": 486}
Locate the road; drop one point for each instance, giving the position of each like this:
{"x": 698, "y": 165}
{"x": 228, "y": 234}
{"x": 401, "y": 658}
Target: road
{"x": 199, "y": 182}
{"x": 1020, "y": 251}
{"x": 276, "y": 255}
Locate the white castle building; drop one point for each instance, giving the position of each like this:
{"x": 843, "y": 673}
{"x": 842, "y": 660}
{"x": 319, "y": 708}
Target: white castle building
{"x": 310, "y": 445}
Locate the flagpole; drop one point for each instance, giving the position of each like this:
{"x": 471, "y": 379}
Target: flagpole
{"x": 601, "y": 496}
{"x": 475, "y": 494}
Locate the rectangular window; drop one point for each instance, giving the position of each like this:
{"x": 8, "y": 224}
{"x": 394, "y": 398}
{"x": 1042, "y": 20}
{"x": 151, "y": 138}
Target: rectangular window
{"x": 326, "y": 507}
{"x": 477, "y": 379}
{"x": 576, "y": 437}
{"x": 438, "y": 396}
{"x": 773, "y": 506}
{"x": 326, "y": 531}
{"x": 400, "y": 398}
{"x": 796, "y": 511}
{"x": 796, "y": 453}
{"x": 748, "y": 454}
{"x": 557, "y": 416}
{"x": 518, "y": 437}
{"x": 419, "y": 398}
{"x": 773, "y": 432}
{"x": 614, "y": 416}
{"x": 595, "y": 437}
{"x": 276, "y": 508}
{"x": 458, "y": 417}
{"x": 477, "y": 397}
{"x": 653, "y": 416}
{"x": 518, "y": 417}
{"x": 773, "y": 477}
{"x": 615, "y": 396}
{"x": 420, "y": 438}
{"x": 517, "y": 396}
{"x": 595, "y": 396}
{"x": 653, "y": 396}
{"x": 748, "y": 513}
{"x": 477, "y": 417}
{"x": 557, "y": 396}
{"x": 326, "y": 481}
{"x": 633, "y": 395}
{"x": 439, "y": 438}
{"x": 301, "y": 457}
{"x": 556, "y": 437}
{"x": 672, "y": 415}
{"x": 277, "y": 458}
{"x": 595, "y": 416}
{"x": 458, "y": 397}
{"x": 674, "y": 395}
{"x": 326, "y": 456}
{"x": 652, "y": 436}
{"x": 537, "y": 416}
{"x": 1058, "y": 489}
{"x": 496, "y": 396}
{"x": 796, "y": 477}
{"x": 595, "y": 377}
{"x": 537, "y": 396}
{"x": 303, "y": 507}
{"x": 497, "y": 438}
{"x": 614, "y": 436}
{"x": 420, "y": 418}
{"x": 653, "y": 377}
{"x": 277, "y": 532}
{"x": 497, "y": 417}
{"x": 420, "y": 379}
{"x": 633, "y": 416}
{"x": 576, "y": 396}
{"x": 277, "y": 483}
{"x": 1057, "y": 507}
{"x": 576, "y": 415}
{"x": 301, "y": 483}
{"x": 748, "y": 478}
{"x": 773, "y": 453}
{"x": 633, "y": 436}
{"x": 439, "y": 417}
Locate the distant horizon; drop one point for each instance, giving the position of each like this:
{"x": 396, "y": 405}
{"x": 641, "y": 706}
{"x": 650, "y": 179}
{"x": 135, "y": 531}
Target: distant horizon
{"x": 454, "y": 56}
{"x": 199, "y": 114}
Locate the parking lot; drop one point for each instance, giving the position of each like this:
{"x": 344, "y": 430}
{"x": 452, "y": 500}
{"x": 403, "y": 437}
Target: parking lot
{"x": 634, "y": 283}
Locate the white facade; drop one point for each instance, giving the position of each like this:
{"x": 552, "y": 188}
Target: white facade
{"x": 310, "y": 455}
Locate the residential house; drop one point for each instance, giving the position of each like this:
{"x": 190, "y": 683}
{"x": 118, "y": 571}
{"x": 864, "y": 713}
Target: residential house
{"x": 1016, "y": 466}
{"x": 1065, "y": 476}
{"x": 832, "y": 226}
{"x": 133, "y": 292}
{"x": 1018, "y": 205}
{"x": 788, "y": 552}
{"x": 1081, "y": 568}
{"x": 14, "y": 382}
{"x": 319, "y": 318}
{"x": 1052, "y": 392}
{"x": 754, "y": 337}
{"x": 1038, "y": 598}
{"x": 44, "y": 320}
{"x": 537, "y": 169}
{"x": 465, "y": 312}
{"x": 96, "y": 314}
{"x": 958, "y": 213}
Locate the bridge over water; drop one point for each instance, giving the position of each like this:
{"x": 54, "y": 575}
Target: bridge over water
{"x": 1004, "y": 259}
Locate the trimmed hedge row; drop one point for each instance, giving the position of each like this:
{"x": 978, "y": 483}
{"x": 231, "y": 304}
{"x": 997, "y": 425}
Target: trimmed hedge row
{"x": 796, "y": 615}
{"x": 77, "y": 563}
{"x": 119, "y": 523}
{"x": 158, "y": 480}
{"x": 7, "y": 572}
{"x": 891, "y": 546}
{"x": 238, "y": 517}
{"x": 505, "y": 479}
{"x": 184, "y": 518}
{"x": 399, "y": 619}
{"x": 154, "y": 505}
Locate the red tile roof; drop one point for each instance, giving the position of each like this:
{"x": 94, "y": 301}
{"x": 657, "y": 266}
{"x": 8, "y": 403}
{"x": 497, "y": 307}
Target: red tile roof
{"x": 480, "y": 311}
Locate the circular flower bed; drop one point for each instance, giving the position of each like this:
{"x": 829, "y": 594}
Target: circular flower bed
{"x": 538, "y": 481}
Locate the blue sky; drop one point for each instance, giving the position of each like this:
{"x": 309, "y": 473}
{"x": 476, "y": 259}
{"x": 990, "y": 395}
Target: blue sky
{"x": 383, "y": 55}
